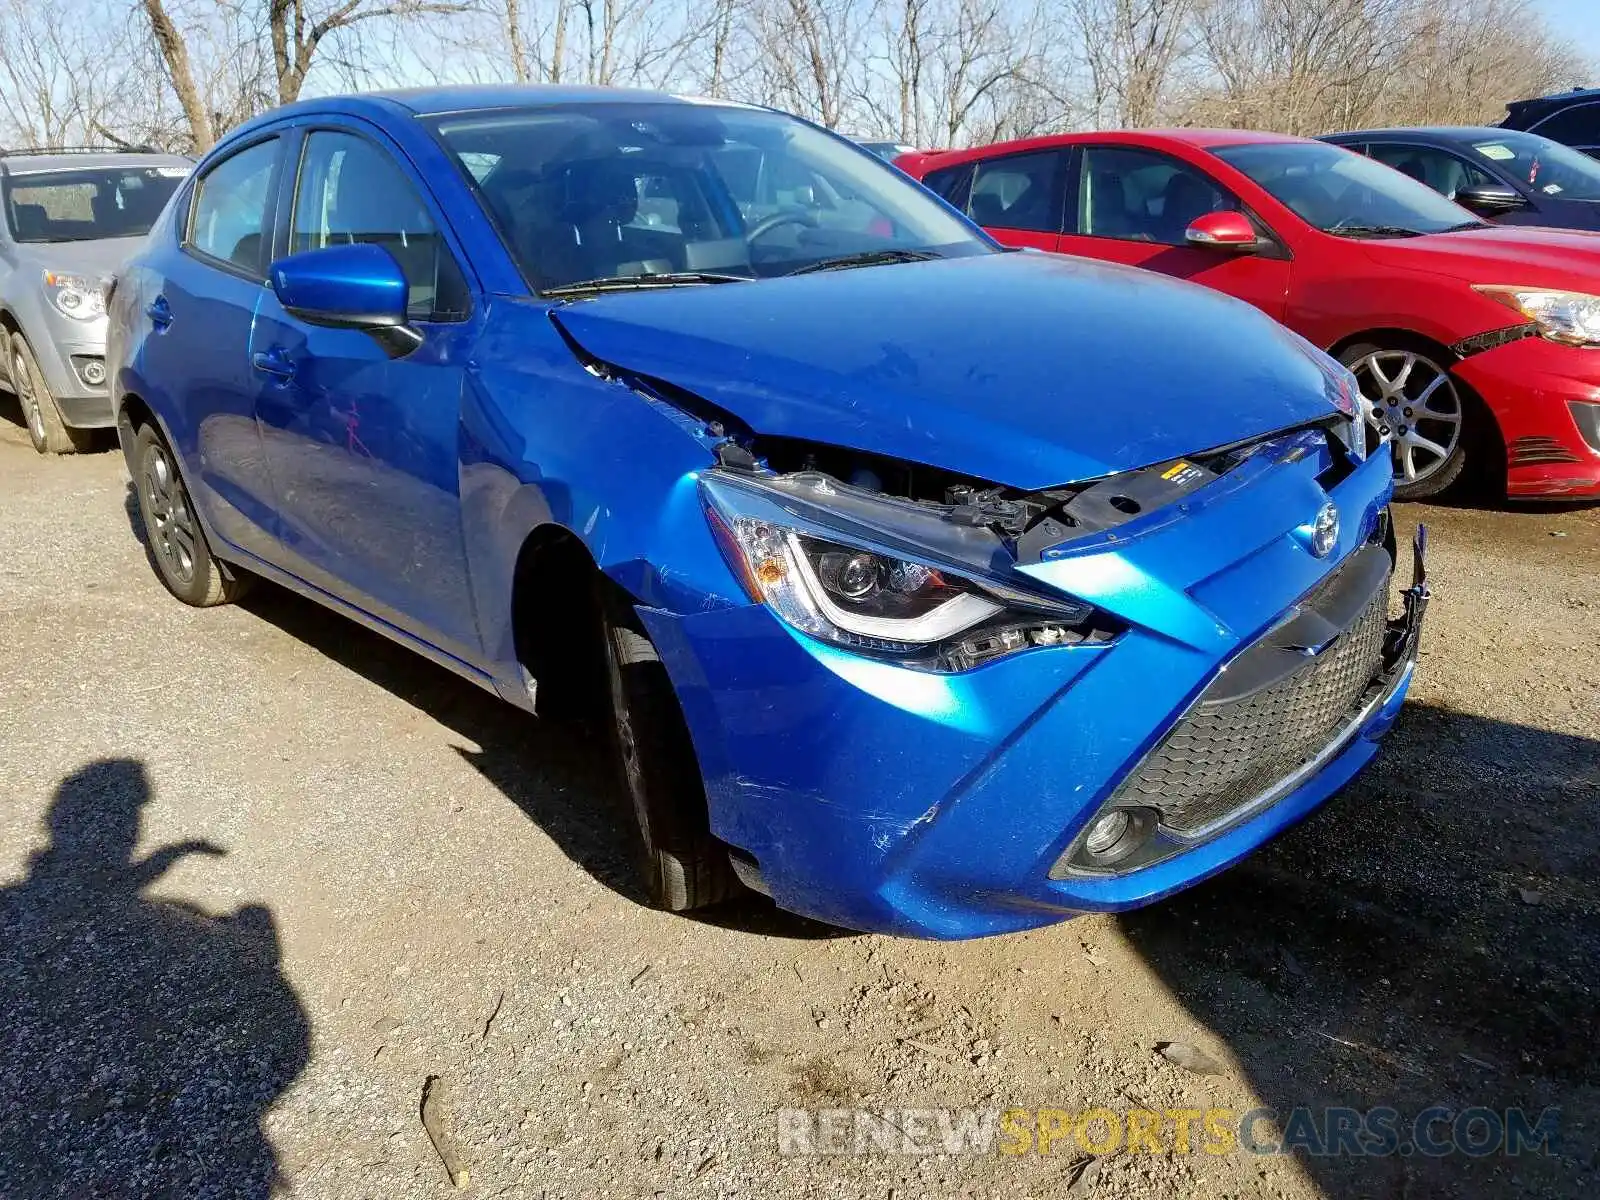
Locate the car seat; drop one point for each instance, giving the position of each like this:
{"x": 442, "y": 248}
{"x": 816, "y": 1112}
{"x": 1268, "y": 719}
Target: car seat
{"x": 1182, "y": 200}
{"x": 1108, "y": 204}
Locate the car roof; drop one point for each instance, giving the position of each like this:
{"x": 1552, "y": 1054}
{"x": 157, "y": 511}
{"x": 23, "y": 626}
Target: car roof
{"x": 29, "y": 162}
{"x": 464, "y": 98}
{"x": 1520, "y": 113}
{"x": 1442, "y": 133}
{"x": 1201, "y": 139}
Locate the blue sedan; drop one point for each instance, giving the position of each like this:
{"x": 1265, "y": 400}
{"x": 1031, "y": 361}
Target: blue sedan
{"x": 923, "y": 586}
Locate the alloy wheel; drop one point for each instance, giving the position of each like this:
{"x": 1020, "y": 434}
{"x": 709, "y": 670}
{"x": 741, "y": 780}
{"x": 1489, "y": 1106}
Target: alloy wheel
{"x": 22, "y": 380}
{"x": 1411, "y": 404}
{"x": 171, "y": 522}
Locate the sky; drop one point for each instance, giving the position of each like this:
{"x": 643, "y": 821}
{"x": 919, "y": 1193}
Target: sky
{"x": 1578, "y": 21}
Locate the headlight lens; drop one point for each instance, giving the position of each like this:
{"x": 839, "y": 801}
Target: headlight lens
{"x": 74, "y": 295}
{"x": 1572, "y": 318}
{"x": 879, "y": 603}
{"x": 855, "y": 596}
{"x": 1344, "y": 393}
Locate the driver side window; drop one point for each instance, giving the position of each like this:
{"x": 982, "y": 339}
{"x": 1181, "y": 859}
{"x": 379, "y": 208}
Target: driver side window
{"x": 1439, "y": 169}
{"x": 1143, "y": 196}
{"x": 351, "y": 191}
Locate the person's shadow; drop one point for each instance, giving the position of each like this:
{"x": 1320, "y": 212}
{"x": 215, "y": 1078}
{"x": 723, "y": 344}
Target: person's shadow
{"x": 140, "y": 1040}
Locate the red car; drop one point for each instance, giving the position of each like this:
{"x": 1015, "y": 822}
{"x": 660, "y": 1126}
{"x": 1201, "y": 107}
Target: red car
{"x": 1475, "y": 345}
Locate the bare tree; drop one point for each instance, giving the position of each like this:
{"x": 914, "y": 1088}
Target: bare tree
{"x": 811, "y": 54}
{"x": 175, "y": 55}
{"x": 1130, "y": 52}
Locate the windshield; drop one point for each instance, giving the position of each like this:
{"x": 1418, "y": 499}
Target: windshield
{"x": 1340, "y": 191}
{"x": 1545, "y": 166}
{"x": 590, "y": 192}
{"x": 88, "y": 204}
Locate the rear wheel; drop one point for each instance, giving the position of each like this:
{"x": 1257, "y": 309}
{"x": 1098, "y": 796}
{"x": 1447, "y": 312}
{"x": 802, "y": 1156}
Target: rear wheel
{"x": 46, "y": 430}
{"x": 173, "y": 537}
{"x": 684, "y": 866}
{"x": 1415, "y": 408}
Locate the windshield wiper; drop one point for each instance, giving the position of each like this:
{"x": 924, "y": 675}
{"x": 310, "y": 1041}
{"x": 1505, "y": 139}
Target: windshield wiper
{"x": 1358, "y": 231}
{"x": 867, "y": 258}
{"x": 1465, "y": 225}
{"x": 623, "y": 283}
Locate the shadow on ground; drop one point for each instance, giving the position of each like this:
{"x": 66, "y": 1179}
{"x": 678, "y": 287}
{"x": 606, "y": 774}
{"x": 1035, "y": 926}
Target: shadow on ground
{"x": 142, "y": 1039}
{"x": 558, "y": 773}
{"x": 1431, "y": 937}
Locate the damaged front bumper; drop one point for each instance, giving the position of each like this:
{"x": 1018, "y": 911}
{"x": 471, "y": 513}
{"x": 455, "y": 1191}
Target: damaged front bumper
{"x": 874, "y": 796}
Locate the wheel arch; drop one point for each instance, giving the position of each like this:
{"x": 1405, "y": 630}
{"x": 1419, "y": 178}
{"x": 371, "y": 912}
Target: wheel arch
{"x": 1389, "y": 336}
{"x": 557, "y": 591}
{"x": 1486, "y": 427}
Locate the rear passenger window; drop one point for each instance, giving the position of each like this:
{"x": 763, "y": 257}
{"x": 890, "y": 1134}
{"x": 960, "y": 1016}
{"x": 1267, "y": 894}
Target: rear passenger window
{"x": 352, "y": 191}
{"x": 229, "y": 219}
{"x": 951, "y": 183}
{"x": 1020, "y": 191}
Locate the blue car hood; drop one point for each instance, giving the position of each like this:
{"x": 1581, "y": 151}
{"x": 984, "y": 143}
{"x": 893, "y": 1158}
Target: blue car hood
{"x": 1028, "y": 370}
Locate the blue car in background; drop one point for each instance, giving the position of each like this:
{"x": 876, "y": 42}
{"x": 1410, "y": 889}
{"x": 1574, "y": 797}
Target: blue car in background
{"x": 923, "y": 586}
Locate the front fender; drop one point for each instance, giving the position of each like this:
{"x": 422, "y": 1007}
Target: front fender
{"x": 546, "y": 442}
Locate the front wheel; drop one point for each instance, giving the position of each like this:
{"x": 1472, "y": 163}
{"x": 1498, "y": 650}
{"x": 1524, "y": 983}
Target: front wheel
{"x": 173, "y": 537}
{"x": 1413, "y": 406}
{"x": 684, "y": 866}
{"x": 46, "y": 430}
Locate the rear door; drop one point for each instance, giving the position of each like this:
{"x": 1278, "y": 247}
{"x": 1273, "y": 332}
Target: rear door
{"x": 1133, "y": 205}
{"x": 200, "y": 320}
{"x": 364, "y": 448}
{"x": 1017, "y": 197}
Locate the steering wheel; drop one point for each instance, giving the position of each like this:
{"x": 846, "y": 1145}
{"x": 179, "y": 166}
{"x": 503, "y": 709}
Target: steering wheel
{"x": 789, "y": 216}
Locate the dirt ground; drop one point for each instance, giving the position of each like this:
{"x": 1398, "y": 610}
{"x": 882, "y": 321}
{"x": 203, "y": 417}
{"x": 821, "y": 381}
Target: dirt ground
{"x": 262, "y": 874}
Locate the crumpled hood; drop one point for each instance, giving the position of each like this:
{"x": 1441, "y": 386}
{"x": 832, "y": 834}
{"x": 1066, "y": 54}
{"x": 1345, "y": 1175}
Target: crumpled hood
{"x": 1028, "y": 370}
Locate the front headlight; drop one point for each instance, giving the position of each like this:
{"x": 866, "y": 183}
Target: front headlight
{"x": 1571, "y": 318}
{"x": 1344, "y": 393}
{"x": 848, "y": 591}
{"x": 74, "y": 295}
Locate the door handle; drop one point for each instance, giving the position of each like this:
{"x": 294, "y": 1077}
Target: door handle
{"x": 159, "y": 312}
{"x": 273, "y": 362}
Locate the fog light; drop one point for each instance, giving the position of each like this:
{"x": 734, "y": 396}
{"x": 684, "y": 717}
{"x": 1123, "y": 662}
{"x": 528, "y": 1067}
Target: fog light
{"x": 1117, "y": 839}
{"x": 1108, "y": 829}
{"x": 91, "y": 368}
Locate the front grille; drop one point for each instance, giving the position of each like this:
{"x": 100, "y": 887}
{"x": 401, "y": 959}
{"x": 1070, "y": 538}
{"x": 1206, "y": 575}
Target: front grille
{"x": 1230, "y": 749}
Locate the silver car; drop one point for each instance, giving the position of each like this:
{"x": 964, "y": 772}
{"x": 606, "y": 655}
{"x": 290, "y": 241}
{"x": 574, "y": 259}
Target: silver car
{"x": 71, "y": 218}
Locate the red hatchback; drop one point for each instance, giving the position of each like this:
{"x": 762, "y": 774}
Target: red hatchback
{"x": 1475, "y": 345}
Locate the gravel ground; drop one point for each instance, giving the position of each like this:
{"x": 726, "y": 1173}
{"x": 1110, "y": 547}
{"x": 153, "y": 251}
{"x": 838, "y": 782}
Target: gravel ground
{"x": 262, "y": 874}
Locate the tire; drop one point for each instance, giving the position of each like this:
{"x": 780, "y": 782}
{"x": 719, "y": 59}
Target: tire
{"x": 1414, "y": 406}
{"x": 683, "y": 865}
{"x": 174, "y": 540}
{"x": 46, "y": 430}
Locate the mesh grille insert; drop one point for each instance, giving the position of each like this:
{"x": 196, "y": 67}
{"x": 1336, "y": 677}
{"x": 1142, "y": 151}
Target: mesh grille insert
{"x": 1225, "y": 753}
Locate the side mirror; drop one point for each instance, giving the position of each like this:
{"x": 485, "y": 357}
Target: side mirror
{"x": 1222, "y": 231}
{"x": 1489, "y": 198}
{"x": 356, "y": 286}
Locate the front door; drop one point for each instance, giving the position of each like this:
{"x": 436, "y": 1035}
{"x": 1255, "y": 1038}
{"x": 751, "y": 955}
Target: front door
{"x": 1134, "y": 206}
{"x": 364, "y": 448}
{"x": 205, "y": 303}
